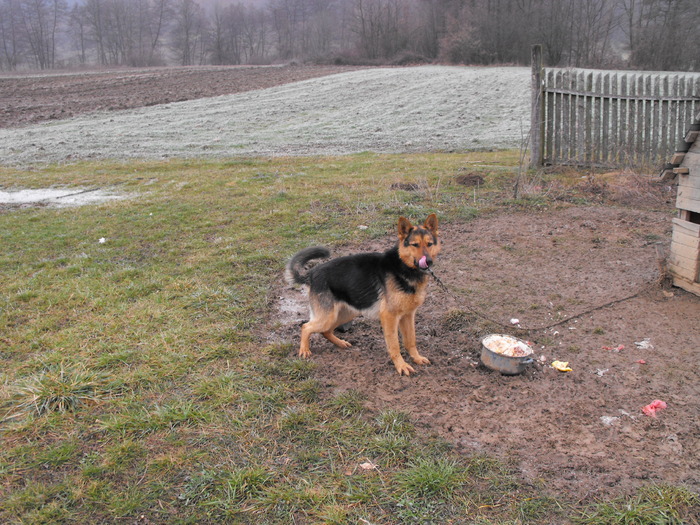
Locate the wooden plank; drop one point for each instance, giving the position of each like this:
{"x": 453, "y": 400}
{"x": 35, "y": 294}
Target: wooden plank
{"x": 580, "y": 128}
{"x": 664, "y": 123}
{"x": 580, "y": 92}
{"x": 596, "y": 145}
{"x": 687, "y": 227}
{"x": 631, "y": 138}
{"x": 683, "y": 266}
{"x": 673, "y": 112}
{"x": 568, "y": 120}
{"x": 615, "y": 111}
{"x": 549, "y": 118}
{"x": 691, "y": 136}
{"x": 588, "y": 108}
{"x": 689, "y": 104}
{"x": 645, "y": 154}
{"x": 686, "y": 285}
{"x": 667, "y": 176}
{"x": 689, "y": 186}
{"x": 562, "y": 119}
{"x": 622, "y": 121}
{"x": 690, "y": 177}
{"x": 606, "y": 124}
{"x": 686, "y": 237}
{"x": 688, "y": 199}
{"x": 687, "y": 202}
{"x": 686, "y": 253}
{"x": 655, "y": 117}
{"x": 677, "y": 157}
{"x": 685, "y": 246}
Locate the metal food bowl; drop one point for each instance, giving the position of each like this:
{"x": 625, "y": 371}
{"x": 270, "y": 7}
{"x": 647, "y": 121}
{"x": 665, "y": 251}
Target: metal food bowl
{"x": 505, "y": 354}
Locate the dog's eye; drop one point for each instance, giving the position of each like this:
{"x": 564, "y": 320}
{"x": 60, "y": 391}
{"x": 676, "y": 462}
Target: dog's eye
{"x": 415, "y": 244}
{"x": 430, "y": 244}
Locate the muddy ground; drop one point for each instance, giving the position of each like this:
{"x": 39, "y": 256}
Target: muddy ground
{"x": 587, "y": 286}
{"x": 585, "y": 282}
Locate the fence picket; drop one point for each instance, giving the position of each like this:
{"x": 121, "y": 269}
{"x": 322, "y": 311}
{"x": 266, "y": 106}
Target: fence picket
{"x": 614, "y": 145}
{"x": 611, "y": 118}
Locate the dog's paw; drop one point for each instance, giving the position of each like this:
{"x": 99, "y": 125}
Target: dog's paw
{"x": 342, "y": 343}
{"x": 404, "y": 369}
{"x": 304, "y": 353}
{"x": 420, "y": 360}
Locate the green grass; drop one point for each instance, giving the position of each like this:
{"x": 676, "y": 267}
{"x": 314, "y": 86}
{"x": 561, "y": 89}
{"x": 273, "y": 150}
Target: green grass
{"x": 652, "y": 505}
{"x": 135, "y": 380}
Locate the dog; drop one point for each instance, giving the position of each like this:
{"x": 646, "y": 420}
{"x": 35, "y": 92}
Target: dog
{"x": 390, "y": 285}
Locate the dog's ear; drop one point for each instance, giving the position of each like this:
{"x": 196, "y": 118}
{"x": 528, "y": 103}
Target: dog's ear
{"x": 405, "y": 227}
{"x": 431, "y": 224}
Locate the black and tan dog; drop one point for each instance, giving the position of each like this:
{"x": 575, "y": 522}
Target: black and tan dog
{"x": 390, "y": 285}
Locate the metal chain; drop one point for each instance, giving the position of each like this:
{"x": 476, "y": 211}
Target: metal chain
{"x": 442, "y": 285}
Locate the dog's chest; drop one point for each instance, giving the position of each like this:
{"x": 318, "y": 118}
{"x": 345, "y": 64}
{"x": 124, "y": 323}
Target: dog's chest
{"x": 405, "y": 295}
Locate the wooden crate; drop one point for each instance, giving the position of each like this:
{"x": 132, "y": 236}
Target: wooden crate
{"x": 689, "y": 182}
{"x": 684, "y": 261}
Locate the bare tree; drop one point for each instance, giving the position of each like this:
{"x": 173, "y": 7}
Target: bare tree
{"x": 10, "y": 37}
{"x": 188, "y": 33}
{"x": 382, "y": 27}
{"x": 154, "y": 25}
{"x": 256, "y": 44}
{"x": 662, "y": 34}
{"x": 40, "y": 22}
{"x": 78, "y": 33}
{"x": 592, "y": 25}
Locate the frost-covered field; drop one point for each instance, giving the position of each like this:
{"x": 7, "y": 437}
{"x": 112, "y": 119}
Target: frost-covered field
{"x": 389, "y": 110}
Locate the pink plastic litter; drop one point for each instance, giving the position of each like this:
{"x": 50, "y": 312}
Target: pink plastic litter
{"x": 653, "y": 407}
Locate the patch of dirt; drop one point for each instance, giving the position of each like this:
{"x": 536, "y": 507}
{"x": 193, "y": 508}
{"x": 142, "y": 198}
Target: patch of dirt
{"x": 582, "y": 280}
{"x": 29, "y": 99}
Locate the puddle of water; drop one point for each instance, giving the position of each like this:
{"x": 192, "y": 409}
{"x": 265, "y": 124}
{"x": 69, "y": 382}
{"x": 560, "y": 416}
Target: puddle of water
{"x": 56, "y": 197}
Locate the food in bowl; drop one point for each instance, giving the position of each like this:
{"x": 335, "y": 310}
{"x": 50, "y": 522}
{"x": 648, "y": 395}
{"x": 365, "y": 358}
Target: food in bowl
{"x": 507, "y": 346}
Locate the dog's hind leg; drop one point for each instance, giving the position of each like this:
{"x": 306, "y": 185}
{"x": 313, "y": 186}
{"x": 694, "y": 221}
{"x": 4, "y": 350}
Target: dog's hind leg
{"x": 337, "y": 341}
{"x": 342, "y": 316}
{"x": 324, "y": 323}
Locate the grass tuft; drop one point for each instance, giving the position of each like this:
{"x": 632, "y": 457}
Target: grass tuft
{"x": 59, "y": 388}
{"x": 395, "y": 423}
{"x": 430, "y": 478}
{"x": 652, "y": 505}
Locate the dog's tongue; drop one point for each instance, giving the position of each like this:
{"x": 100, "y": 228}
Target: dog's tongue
{"x": 423, "y": 263}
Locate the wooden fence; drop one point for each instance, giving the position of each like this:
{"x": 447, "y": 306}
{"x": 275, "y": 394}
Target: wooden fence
{"x": 609, "y": 118}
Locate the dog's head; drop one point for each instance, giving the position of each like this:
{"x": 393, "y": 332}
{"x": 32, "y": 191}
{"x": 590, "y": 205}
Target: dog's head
{"x": 419, "y": 245}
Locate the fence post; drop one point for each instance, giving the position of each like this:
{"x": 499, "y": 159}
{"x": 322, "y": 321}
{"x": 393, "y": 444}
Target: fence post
{"x": 537, "y": 110}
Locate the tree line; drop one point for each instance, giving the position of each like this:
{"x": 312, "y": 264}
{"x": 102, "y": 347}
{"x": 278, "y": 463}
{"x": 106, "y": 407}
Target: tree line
{"x": 639, "y": 34}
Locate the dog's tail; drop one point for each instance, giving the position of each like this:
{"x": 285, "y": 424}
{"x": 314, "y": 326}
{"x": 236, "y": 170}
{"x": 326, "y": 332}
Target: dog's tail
{"x": 293, "y": 272}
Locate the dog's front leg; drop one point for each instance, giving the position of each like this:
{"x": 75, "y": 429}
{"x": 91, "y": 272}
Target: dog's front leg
{"x": 407, "y": 324}
{"x": 390, "y": 327}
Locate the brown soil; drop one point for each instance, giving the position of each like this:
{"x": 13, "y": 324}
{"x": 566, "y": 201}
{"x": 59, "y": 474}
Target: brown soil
{"x": 582, "y": 280}
{"x": 28, "y": 99}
